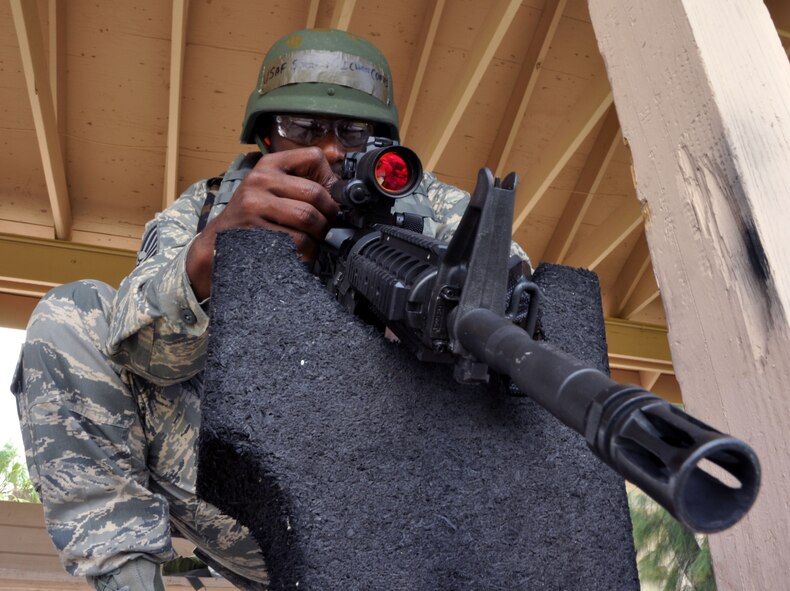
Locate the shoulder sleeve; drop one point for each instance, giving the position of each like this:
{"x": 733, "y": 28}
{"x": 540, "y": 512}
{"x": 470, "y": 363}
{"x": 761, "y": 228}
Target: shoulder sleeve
{"x": 158, "y": 328}
{"x": 449, "y": 204}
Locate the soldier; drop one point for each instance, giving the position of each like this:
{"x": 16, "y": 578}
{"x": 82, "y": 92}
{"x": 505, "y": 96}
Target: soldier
{"x": 108, "y": 383}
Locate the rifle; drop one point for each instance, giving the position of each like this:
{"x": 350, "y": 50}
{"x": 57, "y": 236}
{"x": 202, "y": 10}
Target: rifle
{"x": 450, "y": 303}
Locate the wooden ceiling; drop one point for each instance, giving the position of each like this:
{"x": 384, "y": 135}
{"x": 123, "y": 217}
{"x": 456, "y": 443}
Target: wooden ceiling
{"x": 108, "y": 110}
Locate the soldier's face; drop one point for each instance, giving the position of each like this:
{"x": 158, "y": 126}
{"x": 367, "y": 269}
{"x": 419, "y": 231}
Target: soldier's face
{"x": 335, "y": 136}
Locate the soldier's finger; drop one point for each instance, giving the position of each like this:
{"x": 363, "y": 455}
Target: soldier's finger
{"x": 294, "y": 215}
{"x": 309, "y": 163}
{"x": 307, "y": 191}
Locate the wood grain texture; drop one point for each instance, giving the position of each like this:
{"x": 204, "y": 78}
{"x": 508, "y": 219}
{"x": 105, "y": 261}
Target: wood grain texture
{"x": 712, "y": 161}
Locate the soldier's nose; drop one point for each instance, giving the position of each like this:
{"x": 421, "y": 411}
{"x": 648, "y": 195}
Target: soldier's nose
{"x": 332, "y": 149}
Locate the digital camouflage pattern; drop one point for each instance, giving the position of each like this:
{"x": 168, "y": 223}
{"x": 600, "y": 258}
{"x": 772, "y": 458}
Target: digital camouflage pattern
{"x": 110, "y": 452}
{"x": 108, "y": 393}
{"x": 446, "y": 205}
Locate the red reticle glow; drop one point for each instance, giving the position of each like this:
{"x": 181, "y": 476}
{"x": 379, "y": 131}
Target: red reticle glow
{"x": 392, "y": 172}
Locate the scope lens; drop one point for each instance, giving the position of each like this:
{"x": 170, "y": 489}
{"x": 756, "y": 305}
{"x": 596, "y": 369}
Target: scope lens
{"x": 392, "y": 172}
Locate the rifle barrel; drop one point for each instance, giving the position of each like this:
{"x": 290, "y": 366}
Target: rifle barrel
{"x": 706, "y": 479}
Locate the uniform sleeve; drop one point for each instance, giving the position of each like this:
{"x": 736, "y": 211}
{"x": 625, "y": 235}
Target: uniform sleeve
{"x": 449, "y": 204}
{"x": 158, "y": 328}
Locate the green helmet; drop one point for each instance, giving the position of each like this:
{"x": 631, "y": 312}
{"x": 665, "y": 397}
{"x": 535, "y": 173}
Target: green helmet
{"x": 324, "y": 72}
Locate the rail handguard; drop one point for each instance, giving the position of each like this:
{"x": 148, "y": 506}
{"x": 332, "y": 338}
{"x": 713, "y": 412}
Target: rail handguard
{"x": 449, "y": 303}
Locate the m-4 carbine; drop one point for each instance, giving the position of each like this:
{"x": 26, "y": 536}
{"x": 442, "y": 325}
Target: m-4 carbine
{"x": 449, "y": 303}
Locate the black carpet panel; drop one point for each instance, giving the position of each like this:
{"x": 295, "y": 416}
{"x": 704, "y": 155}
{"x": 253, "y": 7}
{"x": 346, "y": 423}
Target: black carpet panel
{"x": 358, "y": 467}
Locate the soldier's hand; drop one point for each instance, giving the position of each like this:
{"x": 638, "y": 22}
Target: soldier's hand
{"x": 287, "y": 191}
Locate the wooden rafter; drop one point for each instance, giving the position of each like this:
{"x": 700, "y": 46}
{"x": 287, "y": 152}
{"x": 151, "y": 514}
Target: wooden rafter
{"x": 177, "y": 50}
{"x": 31, "y": 45}
{"x": 584, "y": 116}
{"x": 628, "y": 278}
{"x": 590, "y": 252}
{"x": 649, "y": 378}
{"x": 628, "y": 364}
{"x": 341, "y": 15}
{"x": 525, "y": 85}
{"x": 500, "y": 15}
{"x": 312, "y": 13}
{"x": 57, "y": 56}
{"x": 592, "y": 174}
{"x": 40, "y": 264}
{"x": 27, "y": 288}
{"x": 635, "y": 346}
{"x": 427, "y": 36}
{"x": 645, "y": 293}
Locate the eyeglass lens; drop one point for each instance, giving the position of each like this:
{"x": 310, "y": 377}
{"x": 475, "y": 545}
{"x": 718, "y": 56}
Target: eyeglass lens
{"x": 309, "y": 131}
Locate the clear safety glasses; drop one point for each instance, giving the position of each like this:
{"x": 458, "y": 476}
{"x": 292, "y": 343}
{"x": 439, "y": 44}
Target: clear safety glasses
{"x": 310, "y": 131}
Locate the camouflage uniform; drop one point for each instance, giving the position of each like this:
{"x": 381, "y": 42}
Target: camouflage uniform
{"x": 108, "y": 392}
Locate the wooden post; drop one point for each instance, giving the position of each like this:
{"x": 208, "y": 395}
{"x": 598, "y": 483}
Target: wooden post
{"x": 702, "y": 89}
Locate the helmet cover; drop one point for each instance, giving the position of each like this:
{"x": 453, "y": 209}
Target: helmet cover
{"x": 323, "y": 72}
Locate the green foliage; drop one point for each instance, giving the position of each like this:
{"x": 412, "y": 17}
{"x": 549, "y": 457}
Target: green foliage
{"x": 15, "y": 484}
{"x": 669, "y": 556}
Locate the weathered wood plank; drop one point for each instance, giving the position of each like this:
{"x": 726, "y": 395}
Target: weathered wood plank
{"x": 702, "y": 88}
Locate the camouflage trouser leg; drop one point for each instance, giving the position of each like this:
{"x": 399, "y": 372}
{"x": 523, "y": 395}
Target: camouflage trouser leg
{"x": 172, "y": 418}
{"x": 112, "y": 454}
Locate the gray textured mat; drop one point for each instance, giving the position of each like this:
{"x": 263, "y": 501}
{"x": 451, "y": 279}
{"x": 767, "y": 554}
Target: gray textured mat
{"x": 358, "y": 467}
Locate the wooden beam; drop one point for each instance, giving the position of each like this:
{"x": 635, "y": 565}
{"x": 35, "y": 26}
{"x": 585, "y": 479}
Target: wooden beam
{"x": 31, "y": 230}
{"x": 430, "y": 25}
{"x": 667, "y": 388}
{"x": 312, "y": 13}
{"x": 31, "y": 45}
{"x": 587, "y": 184}
{"x": 645, "y": 293}
{"x": 487, "y": 39}
{"x": 39, "y": 263}
{"x": 56, "y": 9}
{"x": 178, "y": 41}
{"x": 590, "y": 252}
{"x": 585, "y": 115}
{"x": 648, "y": 379}
{"x": 510, "y": 123}
{"x": 637, "y": 346}
{"x": 627, "y": 364}
{"x": 635, "y": 266}
{"x": 341, "y": 15}
{"x": 703, "y": 93}
{"x": 25, "y": 287}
